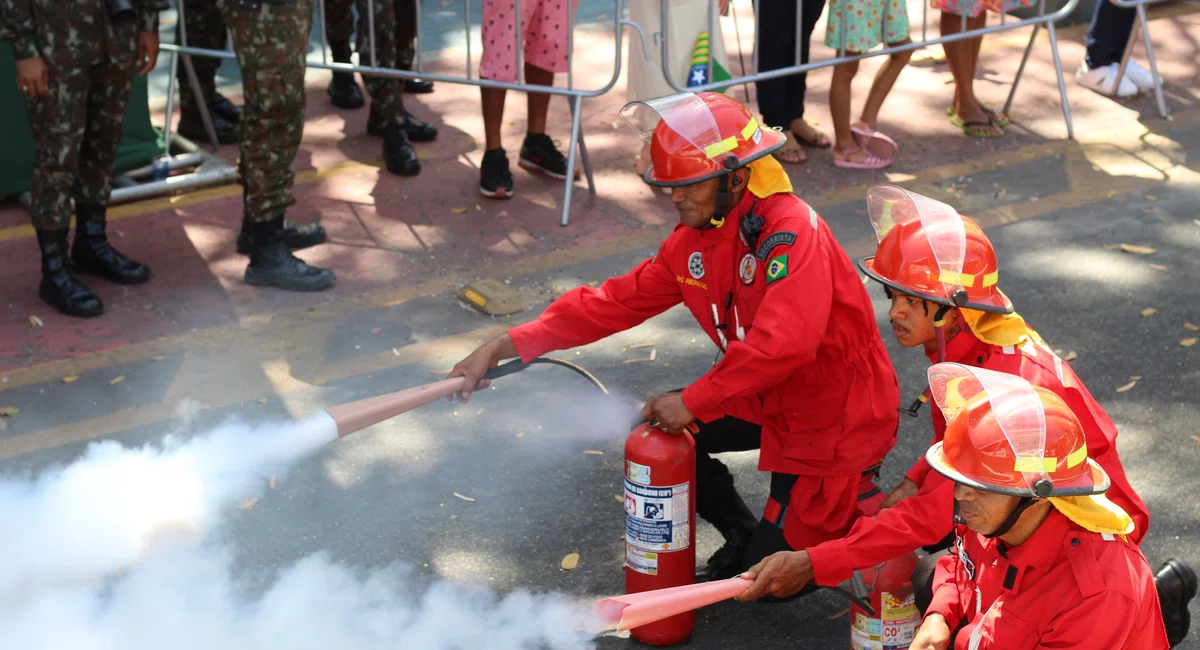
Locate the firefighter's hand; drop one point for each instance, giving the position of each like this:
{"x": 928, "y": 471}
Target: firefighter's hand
{"x": 147, "y": 52}
{"x": 487, "y": 356}
{"x": 779, "y": 575}
{"x": 907, "y": 488}
{"x": 668, "y": 412}
{"x": 933, "y": 635}
{"x": 33, "y": 78}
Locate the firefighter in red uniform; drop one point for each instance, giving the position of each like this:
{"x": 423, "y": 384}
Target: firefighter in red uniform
{"x": 805, "y": 376}
{"x": 927, "y": 255}
{"x": 1041, "y": 558}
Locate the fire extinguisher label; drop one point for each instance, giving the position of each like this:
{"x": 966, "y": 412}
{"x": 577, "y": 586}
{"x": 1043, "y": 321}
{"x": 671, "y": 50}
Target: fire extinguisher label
{"x": 641, "y": 561}
{"x": 865, "y": 635}
{"x": 656, "y": 518}
{"x": 900, "y": 620}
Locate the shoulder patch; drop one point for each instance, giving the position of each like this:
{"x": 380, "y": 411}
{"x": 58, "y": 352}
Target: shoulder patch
{"x": 777, "y": 269}
{"x": 777, "y": 239}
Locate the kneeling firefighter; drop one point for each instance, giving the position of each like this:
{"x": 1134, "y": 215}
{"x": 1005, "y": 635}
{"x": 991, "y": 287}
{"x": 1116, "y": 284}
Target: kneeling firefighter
{"x": 805, "y": 376}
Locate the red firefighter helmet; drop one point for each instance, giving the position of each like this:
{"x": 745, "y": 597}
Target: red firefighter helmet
{"x": 927, "y": 249}
{"x": 1005, "y": 435}
{"x": 699, "y": 137}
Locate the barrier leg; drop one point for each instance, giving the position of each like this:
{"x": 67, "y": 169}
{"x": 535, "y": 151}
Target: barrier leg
{"x": 1158, "y": 84}
{"x": 576, "y": 139}
{"x": 583, "y": 154}
{"x": 205, "y": 115}
{"x": 1021, "y": 70}
{"x": 1062, "y": 84}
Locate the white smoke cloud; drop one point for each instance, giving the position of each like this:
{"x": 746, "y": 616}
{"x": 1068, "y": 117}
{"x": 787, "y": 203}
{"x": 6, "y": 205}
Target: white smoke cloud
{"x": 119, "y": 551}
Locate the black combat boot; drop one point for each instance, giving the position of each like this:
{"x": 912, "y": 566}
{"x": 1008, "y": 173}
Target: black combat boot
{"x": 1176, "y": 585}
{"x": 295, "y": 236}
{"x": 221, "y": 105}
{"x": 93, "y": 255}
{"x": 343, "y": 89}
{"x": 398, "y": 154}
{"x": 416, "y": 130}
{"x": 727, "y": 561}
{"x": 191, "y": 126}
{"x": 60, "y": 288}
{"x": 273, "y": 265}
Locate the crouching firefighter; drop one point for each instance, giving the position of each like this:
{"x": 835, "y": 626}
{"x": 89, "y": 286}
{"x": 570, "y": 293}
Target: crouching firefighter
{"x": 804, "y": 377}
{"x": 1041, "y": 559}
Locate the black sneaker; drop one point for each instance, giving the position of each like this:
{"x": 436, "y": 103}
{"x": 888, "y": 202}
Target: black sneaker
{"x": 495, "y": 181}
{"x": 1176, "y": 585}
{"x": 538, "y": 153}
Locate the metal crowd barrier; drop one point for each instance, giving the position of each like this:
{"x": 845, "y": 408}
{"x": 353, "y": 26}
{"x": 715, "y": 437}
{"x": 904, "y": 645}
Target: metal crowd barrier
{"x": 573, "y": 94}
{"x": 1042, "y": 19}
{"x": 1140, "y": 5}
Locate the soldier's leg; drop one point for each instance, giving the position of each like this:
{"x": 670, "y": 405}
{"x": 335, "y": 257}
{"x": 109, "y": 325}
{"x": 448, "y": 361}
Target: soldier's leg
{"x": 111, "y": 80}
{"x": 387, "y": 103}
{"x": 717, "y": 499}
{"x": 270, "y": 43}
{"x": 339, "y": 27}
{"x": 56, "y": 123}
{"x": 205, "y": 29}
{"x": 406, "y": 36}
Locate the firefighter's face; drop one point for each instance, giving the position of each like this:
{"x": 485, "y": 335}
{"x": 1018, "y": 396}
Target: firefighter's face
{"x": 697, "y": 203}
{"x": 912, "y": 319}
{"x": 982, "y": 511}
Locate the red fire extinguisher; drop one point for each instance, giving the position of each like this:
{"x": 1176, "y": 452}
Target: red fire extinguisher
{"x": 896, "y": 617}
{"x": 660, "y": 522}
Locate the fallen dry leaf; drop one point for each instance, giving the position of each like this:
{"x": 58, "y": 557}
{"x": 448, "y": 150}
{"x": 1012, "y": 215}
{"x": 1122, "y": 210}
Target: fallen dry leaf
{"x": 570, "y": 561}
{"x": 1189, "y": 326}
{"x": 478, "y": 208}
{"x": 376, "y": 330}
{"x": 116, "y": 380}
{"x": 638, "y": 360}
{"x": 248, "y": 503}
{"x": 9, "y": 411}
{"x": 594, "y": 452}
{"x": 1071, "y": 356}
{"x": 272, "y": 483}
{"x": 653, "y": 354}
{"x": 1138, "y": 250}
{"x": 396, "y": 351}
{"x": 1196, "y": 438}
{"x": 1003, "y": 192}
{"x": 521, "y": 434}
{"x": 458, "y": 210}
{"x": 1134, "y": 377}
{"x": 1151, "y": 197}
{"x": 619, "y": 498}
{"x": 838, "y": 615}
{"x": 160, "y": 358}
{"x": 1158, "y": 267}
{"x": 1126, "y": 387}
{"x": 464, "y": 498}
{"x": 1188, "y": 342}
{"x": 35, "y": 321}
{"x": 262, "y": 400}
{"x": 639, "y": 346}
{"x": 1149, "y": 311}
{"x": 70, "y": 379}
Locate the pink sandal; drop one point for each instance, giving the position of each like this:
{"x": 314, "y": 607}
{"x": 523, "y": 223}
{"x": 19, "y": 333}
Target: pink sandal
{"x": 872, "y": 161}
{"x": 873, "y": 141}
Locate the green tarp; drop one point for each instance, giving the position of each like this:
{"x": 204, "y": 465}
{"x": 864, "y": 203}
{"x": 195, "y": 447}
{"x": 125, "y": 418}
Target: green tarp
{"x": 140, "y": 142}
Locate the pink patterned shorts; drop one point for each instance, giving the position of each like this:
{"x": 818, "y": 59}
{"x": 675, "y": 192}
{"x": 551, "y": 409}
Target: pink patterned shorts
{"x": 544, "y": 24}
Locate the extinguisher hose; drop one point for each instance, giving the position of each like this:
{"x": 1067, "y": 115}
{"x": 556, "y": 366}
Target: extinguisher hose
{"x": 516, "y": 365}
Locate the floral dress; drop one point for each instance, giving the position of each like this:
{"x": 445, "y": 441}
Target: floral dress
{"x": 868, "y": 23}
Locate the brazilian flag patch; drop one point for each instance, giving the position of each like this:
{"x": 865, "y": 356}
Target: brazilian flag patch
{"x": 777, "y": 268}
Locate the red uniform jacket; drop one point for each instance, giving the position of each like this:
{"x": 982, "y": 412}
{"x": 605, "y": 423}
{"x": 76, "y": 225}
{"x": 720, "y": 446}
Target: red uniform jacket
{"x": 793, "y": 317}
{"x": 927, "y": 517}
{"x": 1064, "y": 587}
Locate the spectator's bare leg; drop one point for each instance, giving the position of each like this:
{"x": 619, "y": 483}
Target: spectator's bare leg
{"x": 885, "y": 79}
{"x": 538, "y": 103}
{"x": 961, "y": 57}
{"x": 844, "y": 146}
{"x": 493, "y": 116}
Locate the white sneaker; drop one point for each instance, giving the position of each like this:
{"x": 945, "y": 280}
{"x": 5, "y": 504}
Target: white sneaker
{"x": 1101, "y": 80}
{"x": 1141, "y": 77}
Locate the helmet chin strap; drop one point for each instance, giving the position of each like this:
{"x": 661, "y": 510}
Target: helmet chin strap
{"x": 1012, "y": 518}
{"x": 724, "y": 195}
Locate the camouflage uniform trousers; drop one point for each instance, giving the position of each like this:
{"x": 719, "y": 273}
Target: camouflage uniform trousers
{"x": 77, "y": 127}
{"x": 395, "y": 25}
{"x": 270, "y": 43}
{"x": 206, "y": 29}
